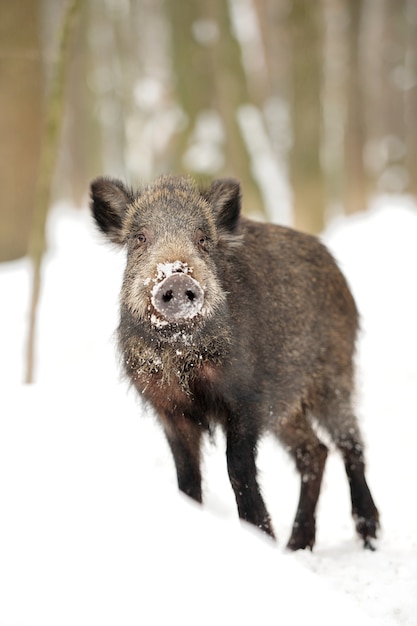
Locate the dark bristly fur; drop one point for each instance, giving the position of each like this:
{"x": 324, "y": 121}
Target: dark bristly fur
{"x": 271, "y": 348}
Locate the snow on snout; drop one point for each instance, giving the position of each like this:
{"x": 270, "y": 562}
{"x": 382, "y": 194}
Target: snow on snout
{"x": 164, "y": 270}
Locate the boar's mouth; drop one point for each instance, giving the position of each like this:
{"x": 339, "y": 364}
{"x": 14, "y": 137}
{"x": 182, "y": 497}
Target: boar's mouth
{"x": 177, "y": 297}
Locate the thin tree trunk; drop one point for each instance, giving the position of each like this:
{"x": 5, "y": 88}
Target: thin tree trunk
{"x": 410, "y": 94}
{"x": 335, "y": 69}
{"x": 53, "y": 122}
{"x": 355, "y": 197}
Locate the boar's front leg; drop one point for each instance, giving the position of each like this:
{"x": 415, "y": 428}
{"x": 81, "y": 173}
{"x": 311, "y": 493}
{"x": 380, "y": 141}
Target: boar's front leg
{"x": 184, "y": 438}
{"x": 241, "y": 465}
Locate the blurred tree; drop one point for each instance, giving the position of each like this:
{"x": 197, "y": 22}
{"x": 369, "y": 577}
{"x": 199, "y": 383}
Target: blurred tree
{"x": 383, "y": 75}
{"x": 80, "y": 156}
{"x": 305, "y": 26}
{"x": 394, "y": 178}
{"x": 211, "y": 86}
{"x": 334, "y": 101}
{"x": 153, "y": 112}
{"x": 355, "y": 187}
{"x": 21, "y": 99}
{"x": 54, "y": 112}
{"x": 410, "y": 94}
{"x": 264, "y": 122}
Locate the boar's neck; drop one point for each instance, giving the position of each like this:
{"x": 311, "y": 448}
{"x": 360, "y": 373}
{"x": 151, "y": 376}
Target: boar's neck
{"x": 161, "y": 357}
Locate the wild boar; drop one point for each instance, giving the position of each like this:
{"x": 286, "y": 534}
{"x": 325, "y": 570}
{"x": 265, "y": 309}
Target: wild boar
{"x": 250, "y": 326}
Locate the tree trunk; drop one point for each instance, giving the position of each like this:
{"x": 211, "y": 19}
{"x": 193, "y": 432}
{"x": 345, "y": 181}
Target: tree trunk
{"x": 21, "y": 96}
{"x": 410, "y": 95}
{"x": 210, "y": 79}
{"x": 335, "y": 56}
{"x": 53, "y": 122}
{"x": 305, "y": 25}
{"x": 355, "y": 196}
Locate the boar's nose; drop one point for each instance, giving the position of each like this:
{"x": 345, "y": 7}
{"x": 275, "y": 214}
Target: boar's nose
{"x": 178, "y": 297}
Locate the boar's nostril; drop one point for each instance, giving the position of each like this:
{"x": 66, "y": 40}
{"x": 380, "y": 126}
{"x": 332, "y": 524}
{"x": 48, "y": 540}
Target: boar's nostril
{"x": 190, "y": 295}
{"x": 167, "y": 296}
{"x": 178, "y": 297}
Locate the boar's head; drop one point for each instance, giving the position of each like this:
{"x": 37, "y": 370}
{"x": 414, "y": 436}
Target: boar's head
{"x": 177, "y": 238}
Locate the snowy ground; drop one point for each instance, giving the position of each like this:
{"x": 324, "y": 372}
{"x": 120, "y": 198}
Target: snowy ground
{"x": 92, "y": 529}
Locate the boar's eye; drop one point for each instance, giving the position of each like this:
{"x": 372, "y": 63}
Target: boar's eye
{"x": 141, "y": 239}
{"x": 201, "y": 240}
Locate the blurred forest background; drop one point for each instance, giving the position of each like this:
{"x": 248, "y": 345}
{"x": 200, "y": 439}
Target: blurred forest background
{"x": 311, "y": 104}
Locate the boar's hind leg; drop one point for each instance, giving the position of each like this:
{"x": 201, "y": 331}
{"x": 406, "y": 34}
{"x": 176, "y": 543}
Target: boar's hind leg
{"x": 364, "y": 511}
{"x": 241, "y": 465}
{"x": 310, "y": 456}
{"x": 342, "y": 425}
{"x": 184, "y": 438}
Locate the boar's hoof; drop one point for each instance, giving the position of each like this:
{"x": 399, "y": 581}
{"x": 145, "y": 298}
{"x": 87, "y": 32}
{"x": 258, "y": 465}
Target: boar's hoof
{"x": 178, "y": 297}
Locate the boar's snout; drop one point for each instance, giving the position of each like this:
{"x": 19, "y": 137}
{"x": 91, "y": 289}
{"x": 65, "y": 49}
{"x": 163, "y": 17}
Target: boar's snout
{"x": 178, "y": 297}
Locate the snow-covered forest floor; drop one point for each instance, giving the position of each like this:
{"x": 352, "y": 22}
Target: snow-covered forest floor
{"x": 92, "y": 528}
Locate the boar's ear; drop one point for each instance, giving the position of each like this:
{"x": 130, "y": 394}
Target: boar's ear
{"x": 109, "y": 200}
{"x": 224, "y": 196}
